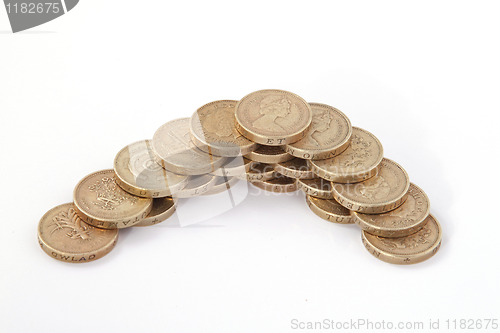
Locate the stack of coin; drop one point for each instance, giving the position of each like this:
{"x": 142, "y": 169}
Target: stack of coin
{"x": 277, "y": 142}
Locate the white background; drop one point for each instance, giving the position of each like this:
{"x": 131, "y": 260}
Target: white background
{"x": 421, "y": 75}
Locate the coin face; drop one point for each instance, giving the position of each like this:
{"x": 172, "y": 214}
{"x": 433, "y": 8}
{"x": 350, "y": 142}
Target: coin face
{"x": 402, "y": 221}
{"x": 357, "y": 163}
{"x": 280, "y": 184}
{"x": 259, "y": 172}
{"x": 269, "y": 155}
{"x": 328, "y": 136}
{"x": 100, "y": 202}
{"x": 295, "y": 168}
{"x": 273, "y": 117}
{"x": 64, "y": 236}
{"x": 222, "y": 184}
{"x": 329, "y": 209}
{"x": 176, "y": 152}
{"x": 162, "y": 209}
{"x": 138, "y": 173}
{"x": 316, "y": 187}
{"x": 381, "y": 193}
{"x": 406, "y": 250}
{"x": 213, "y": 130}
{"x": 236, "y": 166}
{"x": 197, "y": 185}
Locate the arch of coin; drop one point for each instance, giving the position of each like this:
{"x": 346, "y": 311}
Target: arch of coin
{"x": 271, "y": 138}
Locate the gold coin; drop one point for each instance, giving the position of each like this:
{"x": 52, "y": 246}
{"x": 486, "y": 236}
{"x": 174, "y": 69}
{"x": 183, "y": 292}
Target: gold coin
{"x": 328, "y": 136}
{"x": 213, "y": 130}
{"x": 405, "y": 220}
{"x": 269, "y": 155}
{"x": 176, "y": 152}
{"x": 64, "y": 236}
{"x": 259, "y": 172}
{"x": 280, "y": 184}
{"x": 100, "y": 202}
{"x": 329, "y": 209}
{"x": 197, "y": 185}
{"x": 296, "y": 168}
{"x": 237, "y": 166}
{"x": 162, "y": 209}
{"x": 138, "y": 173}
{"x": 222, "y": 184}
{"x": 409, "y": 249}
{"x": 381, "y": 193}
{"x": 316, "y": 187}
{"x": 273, "y": 117}
{"x": 357, "y": 163}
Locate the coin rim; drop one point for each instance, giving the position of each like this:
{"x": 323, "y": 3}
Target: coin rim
{"x": 209, "y": 185}
{"x": 324, "y": 214}
{"x": 400, "y": 258}
{"x": 318, "y": 193}
{"x": 283, "y": 188}
{"x": 163, "y": 216}
{"x": 216, "y": 189}
{"x": 297, "y": 174}
{"x": 269, "y": 159}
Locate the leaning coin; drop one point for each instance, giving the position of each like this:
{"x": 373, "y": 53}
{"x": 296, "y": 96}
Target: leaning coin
{"x": 259, "y": 172}
{"x": 408, "y": 249}
{"x": 402, "y": 221}
{"x": 175, "y": 151}
{"x": 296, "y": 168}
{"x": 328, "y": 136}
{"x": 222, "y": 184}
{"x": 64, "y": 236}
{"x": 138, "y": 173}
{"x": 273, "y": 117}
{"x": 162, "y": 209}
{"x": 381, "y": 193}
{"x": 357, "y": 163}
{"x": 329, "y": 209}
{"x": 100, "y": 202}
{"x": 269, "y": 155}
{"x": 213, "y": 130}
{"x": 197, "y": 185}
{"x": 316, "y": 187}
{"x": 237, "y": 166}
{"x": 280, "y": 184}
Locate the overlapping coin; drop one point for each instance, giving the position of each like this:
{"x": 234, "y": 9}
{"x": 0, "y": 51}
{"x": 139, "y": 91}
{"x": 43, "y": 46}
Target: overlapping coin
{"x": 100, "y": 202}
{"x": 213, "y": 130}
{"x": 175, "y": 151}
{"x": 274, "y": 140}
{"x": 328, "y": 136}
